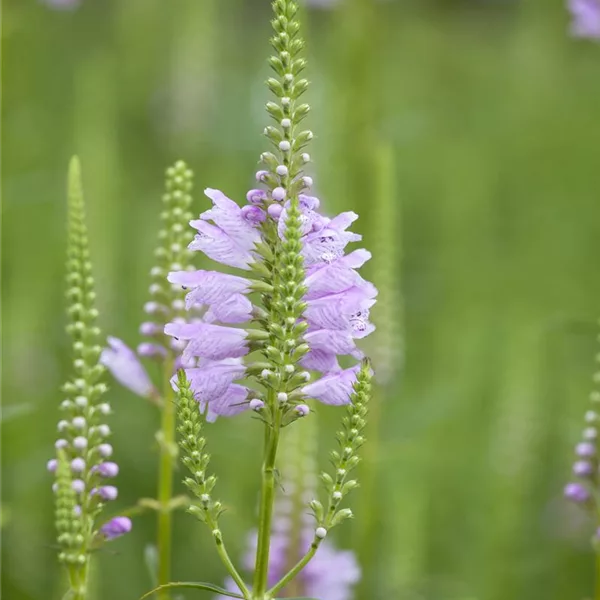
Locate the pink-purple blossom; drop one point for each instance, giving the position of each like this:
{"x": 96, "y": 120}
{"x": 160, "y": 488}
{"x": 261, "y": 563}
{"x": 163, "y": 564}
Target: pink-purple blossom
{"x": 338, "y": 299}
{"x": 585, "y": 21}
{"x": 126, "y": 368}
{"x": 116, "y": 527}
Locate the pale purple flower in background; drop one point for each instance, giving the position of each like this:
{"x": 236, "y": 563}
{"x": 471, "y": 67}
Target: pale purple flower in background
{"x": 585, "y": 18}
{"x": 116, "y": 527}
{"x": 330, "y": 575}
{"x": 126, "y": 368}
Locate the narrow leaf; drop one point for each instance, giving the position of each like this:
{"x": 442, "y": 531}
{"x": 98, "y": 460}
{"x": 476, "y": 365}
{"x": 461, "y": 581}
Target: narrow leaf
{"x": 195, "y": 584}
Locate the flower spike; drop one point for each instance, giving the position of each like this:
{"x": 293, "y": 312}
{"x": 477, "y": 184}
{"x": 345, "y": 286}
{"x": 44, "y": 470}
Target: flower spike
{"x": 80, "y": 466}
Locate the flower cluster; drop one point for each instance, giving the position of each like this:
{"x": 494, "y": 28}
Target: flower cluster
{"x": 585, "y": 18}
{"x": 166, "y": 301}
{"x": 584, "y": 490}
{"x": 83, "y": 467}
{"x": 299, "y": 289}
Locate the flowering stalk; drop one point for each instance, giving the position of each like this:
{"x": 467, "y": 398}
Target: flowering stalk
{"x": 585, "y": 491}
{"x": 81, "y": 467}
{"x": 166, "y": 305}
{"x": 196, "y": 460}
{"x": 303, "y": 298}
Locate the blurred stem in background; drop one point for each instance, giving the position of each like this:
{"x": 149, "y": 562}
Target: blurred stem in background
{"x": 386, "y": 349}
{"x": 165, "y": 477}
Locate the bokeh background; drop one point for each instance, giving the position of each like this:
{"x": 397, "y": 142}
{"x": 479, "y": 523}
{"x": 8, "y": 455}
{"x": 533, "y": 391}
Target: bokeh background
{"x": 465, "y": 133}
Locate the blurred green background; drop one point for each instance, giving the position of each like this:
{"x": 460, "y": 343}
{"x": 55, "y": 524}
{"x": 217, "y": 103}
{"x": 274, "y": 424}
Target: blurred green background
{"x": 492, "y": 114}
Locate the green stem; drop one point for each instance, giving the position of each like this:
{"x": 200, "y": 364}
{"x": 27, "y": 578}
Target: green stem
{"x": 296, "y": 569}
{"x": 224, "y": 556}
{"x": 597, "y": 595}
{"x": 165, "y": 479}
{"x": 267, "y": 498}
{"x": 78, "y": 577}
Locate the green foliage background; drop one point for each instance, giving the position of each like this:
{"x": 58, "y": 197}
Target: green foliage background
{"x": 492, "y": 112}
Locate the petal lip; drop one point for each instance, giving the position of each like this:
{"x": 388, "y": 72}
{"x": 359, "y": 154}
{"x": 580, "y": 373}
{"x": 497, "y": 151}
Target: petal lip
{"x": 126, "y": 368}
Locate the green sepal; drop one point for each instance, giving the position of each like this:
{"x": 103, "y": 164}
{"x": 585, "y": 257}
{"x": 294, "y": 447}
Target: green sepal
{"x": 209, "y": 587}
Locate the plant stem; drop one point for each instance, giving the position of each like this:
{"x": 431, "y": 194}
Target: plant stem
{"x": 78, "y": 577}
{"x": 267, "y": 498}
{"x": 165, "y": 479}
{"x": 597, "y": 562}
{"x": 296, "y": 569}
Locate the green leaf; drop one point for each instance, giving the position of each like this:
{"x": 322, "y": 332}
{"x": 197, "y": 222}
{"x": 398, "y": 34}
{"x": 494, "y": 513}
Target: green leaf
{"x": 151, "y": 562}
{"x": 209, "y": 587}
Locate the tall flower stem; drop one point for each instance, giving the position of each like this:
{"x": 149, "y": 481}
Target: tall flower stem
{"x": 165, "y": 478}
{"x": 267, "y": 498}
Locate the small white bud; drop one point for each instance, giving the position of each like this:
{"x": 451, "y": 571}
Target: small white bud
{"x": 265, "y": 373}
{"x": 103, "y": 430}
{"x": 286, "y": 123}
{"x": 308, "y": 181}
{"x": 282, "y": 397}
{"x": 281, "y": 170}
{"x": 590, "y": 433}
{"x": 81, "y": 401}
{"x": 284, "y": 146}
{"x": 156, "y": 272}
{"x": 79, "y": 422}
{"x": 591, "y": 416}
{"x": 305, "y": 156}
{"x": 289, "y": 368}
{"x": 288, "y": 78}
{"x": 104, "y": 408}
{"x": 337, "y": 495}
{"x": 62, "y": 425}
{"x": 321, "y": 532}
{"x": 155, "y": 288}
{"x": 285, "y": 101}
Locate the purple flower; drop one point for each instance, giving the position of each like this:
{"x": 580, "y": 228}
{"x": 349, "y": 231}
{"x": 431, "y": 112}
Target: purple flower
{"x": 209, "y": 341}
{"x": 221, "y": 292}
{"x": 338, "y": 299}
{"x": 214, "y": 390}
{"x": 333, "y": 389}
{"x": 585, "y": 450}
{"x": 583, "y": 468}
{"x": 125, "y": 367}
{"x": 107, "y": 469}
{"x": 116, "y": 527}
{"x": 230, "y": 239}
{"x": 586, "y": 18}
{"x": 106, "y": 492}
{"x": 576, "y": 493}
{"x": 335, "y": 275}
